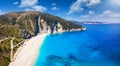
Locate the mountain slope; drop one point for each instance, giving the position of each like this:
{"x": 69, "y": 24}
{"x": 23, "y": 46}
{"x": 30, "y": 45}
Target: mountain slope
{"x": 23, "y": 25}
{"x": 28, "y": 24}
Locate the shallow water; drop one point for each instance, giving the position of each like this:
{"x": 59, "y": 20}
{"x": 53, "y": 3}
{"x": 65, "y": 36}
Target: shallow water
{"x": 99, "y": 45}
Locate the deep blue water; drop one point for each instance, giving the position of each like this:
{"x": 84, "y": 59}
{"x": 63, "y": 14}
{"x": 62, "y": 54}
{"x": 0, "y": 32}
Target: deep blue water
{"x": 99, "y": 45}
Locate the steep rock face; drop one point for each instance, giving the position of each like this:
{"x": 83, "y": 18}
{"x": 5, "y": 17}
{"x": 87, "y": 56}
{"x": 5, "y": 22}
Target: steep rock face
{"x": 32, "y": 23}
{"x": 43, "y": 25}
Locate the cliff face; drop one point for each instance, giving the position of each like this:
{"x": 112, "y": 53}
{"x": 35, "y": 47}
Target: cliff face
{"x": 28, "y": 24}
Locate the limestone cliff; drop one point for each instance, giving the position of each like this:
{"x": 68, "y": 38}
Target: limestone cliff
{"x": 28, "y": 24}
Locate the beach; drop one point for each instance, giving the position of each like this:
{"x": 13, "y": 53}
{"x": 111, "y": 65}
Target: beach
{"x": 29, "y": 52}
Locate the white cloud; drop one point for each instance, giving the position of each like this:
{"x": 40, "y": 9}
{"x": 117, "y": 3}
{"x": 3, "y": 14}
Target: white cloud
{"x": 93, "y": 2}
{"x": 31, "y": 5}
{"x": 28, "y": 3}
{"x": 69, "y": 18}
{"x": 2, "y": 12}
{"x": 28, "y": 9}
{"x": 115, "y": 2}
{"x": 53, "y": 4}
{"x": 36, "y": 8}
{"x": 77, "y": 6}
{"x": 110, "y": 14}
{"x": 15, "y": 3}
{"x": 55, "y": 8}
{"x": 89, "y": 15}
{"x": 106, "y": 16}
{"x": 39, "y": 8}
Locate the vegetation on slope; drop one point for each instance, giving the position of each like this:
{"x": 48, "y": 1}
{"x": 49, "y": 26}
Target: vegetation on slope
{"x": 5, "y": 51}
{"x": 21, "y": 25}
{"x": 66, "y": 24}
{"x": 7, "y": 31}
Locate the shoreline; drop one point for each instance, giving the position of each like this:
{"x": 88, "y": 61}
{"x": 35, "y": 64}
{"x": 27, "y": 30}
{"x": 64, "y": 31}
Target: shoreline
{"x": 30, "y": 49}
{"x": 29, "y": 52}
{"x": 72, "y": 30}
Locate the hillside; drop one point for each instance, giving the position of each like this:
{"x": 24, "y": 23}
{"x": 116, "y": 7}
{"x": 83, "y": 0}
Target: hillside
{"x": 24, "y": 25}
{"x": 28, "y": 24}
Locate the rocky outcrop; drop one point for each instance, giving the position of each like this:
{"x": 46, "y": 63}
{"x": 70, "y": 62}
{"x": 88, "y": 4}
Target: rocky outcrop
{"x": 23, "y": 33}
{"x": 43, "y": 25}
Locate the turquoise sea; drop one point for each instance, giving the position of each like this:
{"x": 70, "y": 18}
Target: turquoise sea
{"x": 99, "y": 45}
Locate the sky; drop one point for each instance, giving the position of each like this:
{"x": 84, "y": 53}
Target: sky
{"x": 77, "y": 10}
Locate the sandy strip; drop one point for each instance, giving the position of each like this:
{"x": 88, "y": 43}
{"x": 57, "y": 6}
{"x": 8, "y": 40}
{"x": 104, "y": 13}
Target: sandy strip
{"x": 29, "y": 52}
